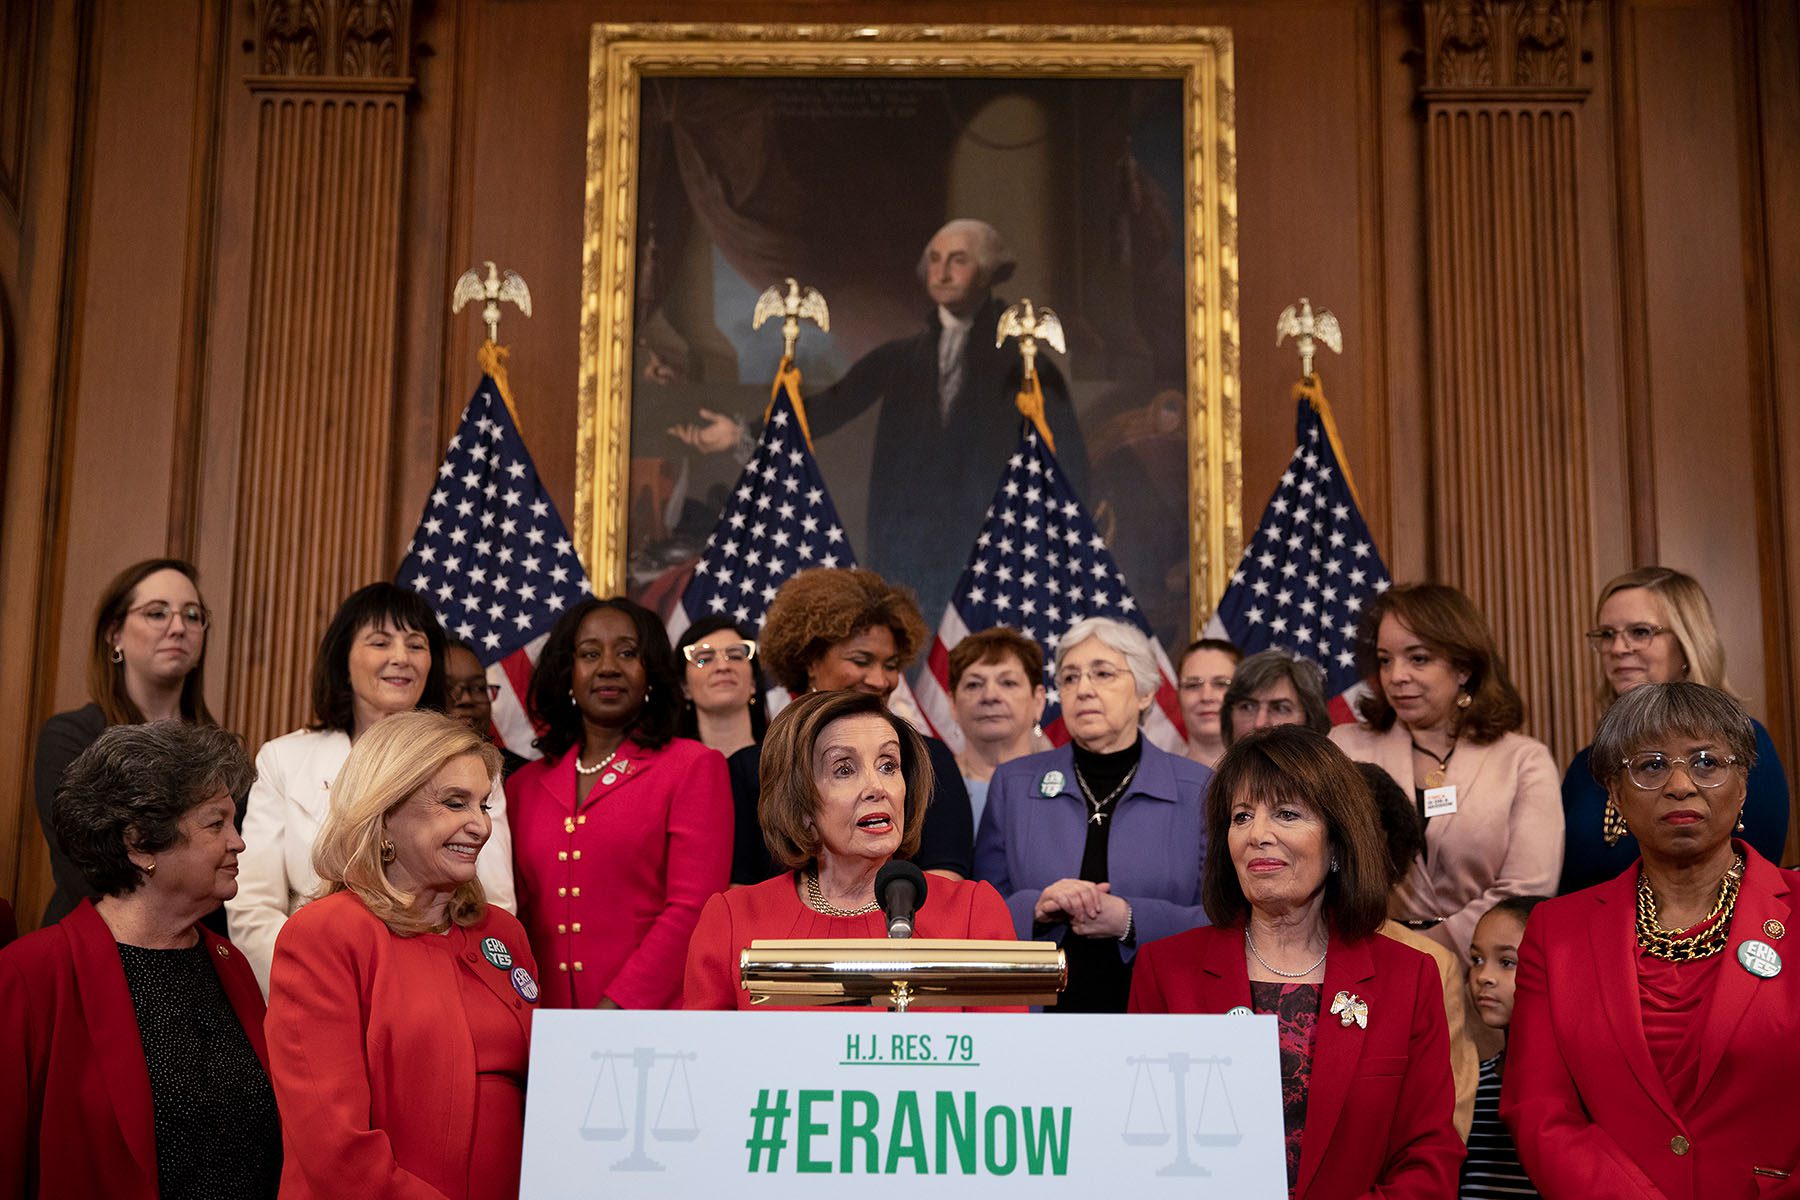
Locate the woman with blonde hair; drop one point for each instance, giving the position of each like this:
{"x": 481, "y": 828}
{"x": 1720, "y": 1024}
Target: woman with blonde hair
{"x": 400, "y": 1000}
{"x": 1655, "y": 625}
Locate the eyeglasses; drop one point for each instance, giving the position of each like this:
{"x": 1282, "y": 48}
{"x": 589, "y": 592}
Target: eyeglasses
{"x": 1103, "y": 675}
{"x": 158, "y": 614}
{"x": 1636, "y": 636}
{"x": 473, "y": 691}
{"x": 703, "y": 654}
{"x": 1652, "y": 768}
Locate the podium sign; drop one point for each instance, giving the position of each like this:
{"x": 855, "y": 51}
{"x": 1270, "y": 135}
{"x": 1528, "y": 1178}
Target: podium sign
{"x": 623, "y": 1105}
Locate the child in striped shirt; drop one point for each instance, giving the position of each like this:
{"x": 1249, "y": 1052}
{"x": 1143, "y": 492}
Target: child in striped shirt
{"x": 1492, "y": 1170}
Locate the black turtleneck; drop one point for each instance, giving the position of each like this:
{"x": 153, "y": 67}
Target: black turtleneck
{"x": 1099, "y": 975}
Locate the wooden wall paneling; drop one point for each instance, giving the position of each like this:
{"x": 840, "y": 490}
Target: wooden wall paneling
{"x": 46, "y": 270}
{"x": 1769, "y": 115}
{"x": 1639, "y": 431}
{"x": 319, "y": 403}
{"x": 1505, "y": 318}
{"x": 1701, "y": 405}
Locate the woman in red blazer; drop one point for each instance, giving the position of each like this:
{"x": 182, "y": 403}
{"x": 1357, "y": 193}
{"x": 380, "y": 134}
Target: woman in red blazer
{"x": 1296, "y": 886}
{"x": 622, "y": 830}
{"x": 1655, "y": 1045}
{"x": 400, "y": 1000}
{"x": 844, "y": 789}
{"x": 134, "y": 1064}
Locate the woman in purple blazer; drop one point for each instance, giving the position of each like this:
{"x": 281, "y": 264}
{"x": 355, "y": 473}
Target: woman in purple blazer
{"x": 1098, "y": 844}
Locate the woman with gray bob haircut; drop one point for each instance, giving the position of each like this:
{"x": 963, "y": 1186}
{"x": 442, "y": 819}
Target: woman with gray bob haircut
{"x": 141, "y": 1067}
{"x": 1098, "y": 844}
{"x": 1273, "y": 687}
{"x": 1670, "y": 974}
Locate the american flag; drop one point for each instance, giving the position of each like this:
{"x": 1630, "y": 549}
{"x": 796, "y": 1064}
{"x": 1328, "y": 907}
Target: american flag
{"x": 1040, "y": 565}
{"x": 1311, "y": 566}
{"x": 492, "y": 556}
{"x": 779, "y": 521}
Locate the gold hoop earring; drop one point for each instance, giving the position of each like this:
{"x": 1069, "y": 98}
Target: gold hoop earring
{"x": 387, "y": 851}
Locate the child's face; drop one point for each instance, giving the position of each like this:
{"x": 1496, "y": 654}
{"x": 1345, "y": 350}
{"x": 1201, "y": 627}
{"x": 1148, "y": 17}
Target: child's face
{"x": 1493, "y": 966}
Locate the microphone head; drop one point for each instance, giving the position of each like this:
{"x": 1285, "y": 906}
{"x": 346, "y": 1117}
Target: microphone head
{"x": 897, "y": 871}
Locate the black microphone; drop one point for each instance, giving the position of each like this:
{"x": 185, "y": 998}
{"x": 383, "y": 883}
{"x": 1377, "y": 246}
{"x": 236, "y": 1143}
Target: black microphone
{"x": 900, "y": 890}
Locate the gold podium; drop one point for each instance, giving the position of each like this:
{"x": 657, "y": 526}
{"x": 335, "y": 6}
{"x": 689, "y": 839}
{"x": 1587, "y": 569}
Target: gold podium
{"x": 902, "y": 973}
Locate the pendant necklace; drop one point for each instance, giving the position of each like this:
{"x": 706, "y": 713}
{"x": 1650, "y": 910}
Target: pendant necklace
{"x": 1101, "y": 809}
{"x": 1436, "y": 777}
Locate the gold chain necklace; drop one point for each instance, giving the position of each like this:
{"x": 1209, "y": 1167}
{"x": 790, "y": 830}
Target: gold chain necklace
{"x": 1667, "y": 944}
{"x": 815, "y": 900}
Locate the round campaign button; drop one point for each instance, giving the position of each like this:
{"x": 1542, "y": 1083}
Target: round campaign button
{"x": 524, "y": 984}
{"x": 1242, "y": 1010}
{"x": 1760, "y": 959}
{"x": 1051, "y": 783}
{"x": 495, "y": 951}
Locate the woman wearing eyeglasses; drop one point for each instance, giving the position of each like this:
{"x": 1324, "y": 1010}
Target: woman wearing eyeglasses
{"x": 622, "y": 830}
{"x": 1098, "y": 845}
{"x": 144, "y": 664}
{"x": 469, "y": 698}
{"x": 1655, "y": 625}
{"x": 723, "y": 684}
{"x": 1655, "y": 1035}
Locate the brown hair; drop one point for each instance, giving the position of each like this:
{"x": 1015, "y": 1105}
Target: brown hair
{"x": 1689, "y": 616}
{"x": 1228, "y": 648}
{"x": 817, "y": 609}
{"x": 1292, "y": 764}
{"x": 1449, "y": 623}
{"x": 387, "y": 766}
{"x": 992, "y": 646}
{"x": 106, "y": 678}
{"x": 789, "y": 800}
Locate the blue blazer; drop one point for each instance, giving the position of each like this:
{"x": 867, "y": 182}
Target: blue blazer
{"x": 1153, "y": 854}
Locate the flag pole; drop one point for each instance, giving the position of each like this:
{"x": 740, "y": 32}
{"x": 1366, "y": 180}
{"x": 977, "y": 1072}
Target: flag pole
{"x": 792, "y": 305}
{"x": 1030, "y": 324}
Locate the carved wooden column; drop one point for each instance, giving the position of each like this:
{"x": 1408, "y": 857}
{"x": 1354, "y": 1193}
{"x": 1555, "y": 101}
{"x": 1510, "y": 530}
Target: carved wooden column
{"x": 1509, "y": 463}
{"x": 319, "y": 378}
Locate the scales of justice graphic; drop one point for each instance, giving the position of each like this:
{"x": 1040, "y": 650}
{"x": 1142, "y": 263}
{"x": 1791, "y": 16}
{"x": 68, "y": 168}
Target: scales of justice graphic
{"x": 606, "y": 1122}
{"x": 1214, "y": 1095}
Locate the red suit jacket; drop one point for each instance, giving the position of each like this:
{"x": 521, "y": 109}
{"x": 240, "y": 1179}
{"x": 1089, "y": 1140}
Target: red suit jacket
{"x": 1589, "y": 1110}
{"x": 373, "y": 1060}
{"x": 954, "y": 908}
{"x": 1379, "y": 1114}
{"x": 76, "y": 1117}
{"x": 610, "y": 891}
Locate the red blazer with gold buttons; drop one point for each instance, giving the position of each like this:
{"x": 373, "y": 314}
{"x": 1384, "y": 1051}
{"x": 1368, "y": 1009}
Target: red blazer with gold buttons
{"x": 610, "y": 891}
{"x": 1380, "y": 1110}
{"x": 1586, "y": 1104}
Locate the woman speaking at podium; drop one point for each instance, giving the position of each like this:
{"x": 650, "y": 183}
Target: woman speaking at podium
{"x": 1296, "y": 886}
{"x": 844, "y": 789}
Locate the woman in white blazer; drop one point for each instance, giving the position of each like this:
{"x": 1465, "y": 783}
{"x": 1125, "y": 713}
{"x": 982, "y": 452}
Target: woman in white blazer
{"x": 1442, "y": 718}
{"x": 383, "y": 653}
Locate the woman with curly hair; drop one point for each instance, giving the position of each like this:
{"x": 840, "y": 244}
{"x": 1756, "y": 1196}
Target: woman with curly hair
{"x": 846, "y": 629}
{"x": 622, "y": 830}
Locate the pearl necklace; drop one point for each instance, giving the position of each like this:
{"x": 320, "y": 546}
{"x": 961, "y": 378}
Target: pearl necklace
{"x": 1251, "y": 942}
{"x": 597, "y": 767}
{"x": 815, "y": 900}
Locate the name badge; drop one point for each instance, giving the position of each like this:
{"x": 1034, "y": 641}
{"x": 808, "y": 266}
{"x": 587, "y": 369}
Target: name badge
{"x": 1440, "y": 801}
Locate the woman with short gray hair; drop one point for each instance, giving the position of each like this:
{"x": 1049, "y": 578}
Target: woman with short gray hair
{"x": 138, "y": 1065}
{"x": 1632, "y": 979}
{"x": 1098, "y": 844}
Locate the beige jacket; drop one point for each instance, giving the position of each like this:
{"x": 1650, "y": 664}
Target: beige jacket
{"x": 1465, "y": 1064}
{"x": 1504, "y": 839}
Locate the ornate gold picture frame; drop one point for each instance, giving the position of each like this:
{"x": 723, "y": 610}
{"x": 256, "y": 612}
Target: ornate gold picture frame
{"x": 885, "y": 65}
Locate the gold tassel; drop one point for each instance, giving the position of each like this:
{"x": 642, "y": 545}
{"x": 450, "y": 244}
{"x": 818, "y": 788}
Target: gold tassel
{"x": 787, "y": 375}
{"x": 492, "y": 358}
{"x": 1314, "y": 393}
{"x": 1031, "y": 406}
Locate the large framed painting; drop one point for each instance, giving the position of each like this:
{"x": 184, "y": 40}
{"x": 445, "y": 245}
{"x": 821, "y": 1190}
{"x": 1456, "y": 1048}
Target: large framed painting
{"x": 1088, "y": 168}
